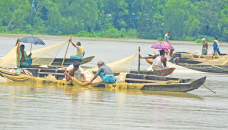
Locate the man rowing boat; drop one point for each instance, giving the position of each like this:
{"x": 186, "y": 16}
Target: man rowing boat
{"x": 76, "y": 71}
{"x": 159, "y": 62}
{"x": 105, "y": 72}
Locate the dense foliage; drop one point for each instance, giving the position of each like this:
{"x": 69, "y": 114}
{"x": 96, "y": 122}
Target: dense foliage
{"x": 148, "y": 19}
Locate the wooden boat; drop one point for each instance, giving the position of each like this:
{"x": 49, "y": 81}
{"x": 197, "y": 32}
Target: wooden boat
{"x": 185, "y": 85}
{"x": 67, "y": 62}
{"x": 58, "y": 61}
{"x": 181, "y": 60}
{"x": 164, "y": 72}
{"x": 152, "y": 83}
{"x": 58, "y": 72}
{"x": 178, "y": 54}
{"x": 207, "y": 68}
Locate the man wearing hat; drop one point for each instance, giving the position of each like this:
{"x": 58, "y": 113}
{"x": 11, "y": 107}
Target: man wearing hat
{"x": 205, "y": 47}
{"x": 76, "y": 71}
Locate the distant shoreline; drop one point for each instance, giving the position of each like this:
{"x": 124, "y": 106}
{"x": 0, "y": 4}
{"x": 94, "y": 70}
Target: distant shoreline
{"x": 104, "y": 38}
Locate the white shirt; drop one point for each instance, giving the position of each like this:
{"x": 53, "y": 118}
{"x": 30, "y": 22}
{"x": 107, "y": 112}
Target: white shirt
{"x": 157, "y": 61}
{"x": 78, "y": 73}
{"x": 168, "y": 57}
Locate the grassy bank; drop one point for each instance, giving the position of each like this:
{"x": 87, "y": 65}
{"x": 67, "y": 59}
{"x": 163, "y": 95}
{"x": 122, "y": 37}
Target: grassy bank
{"x": 114, "y": 33}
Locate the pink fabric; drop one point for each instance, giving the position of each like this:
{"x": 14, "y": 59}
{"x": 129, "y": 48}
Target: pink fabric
{"x": 162, "y": 45}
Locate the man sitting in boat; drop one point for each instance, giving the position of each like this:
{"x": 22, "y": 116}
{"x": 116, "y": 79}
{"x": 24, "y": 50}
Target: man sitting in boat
{"x": 24, "y": 58}
{"x": 105, "y": 72}
{"x": 76, "y": 71}
{"x": 171, "y": 57}
{"x": 205, "y": 47}
{"x": 80, "y": 51}
{"x": 160, "y": 61}
{"x": 216, "y": 47}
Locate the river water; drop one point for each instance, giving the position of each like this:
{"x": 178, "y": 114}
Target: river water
{"x": 27, "y": 106}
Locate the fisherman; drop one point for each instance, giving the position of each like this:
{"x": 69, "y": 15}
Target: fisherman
{"x": 105, "y": 72}
{"x": 24, "y": 58}
{"x": 76, "y": 71}
{"x": 166, "y": 37}
{"x": 80, "y": 51}
{"x": 205, "y": 47}
{"x": 171, "y": 57}
{"x": 159, "y": 62}
{"x": 216, "y": 47}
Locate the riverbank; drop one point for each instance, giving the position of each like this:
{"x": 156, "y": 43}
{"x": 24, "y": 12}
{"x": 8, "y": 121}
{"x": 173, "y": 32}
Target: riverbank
{"x": 133, "y": 40}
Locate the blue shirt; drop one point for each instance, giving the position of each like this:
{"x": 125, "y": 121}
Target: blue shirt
{"x": 105, "y": 69}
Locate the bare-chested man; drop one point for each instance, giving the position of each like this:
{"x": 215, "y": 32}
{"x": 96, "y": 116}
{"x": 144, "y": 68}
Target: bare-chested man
{"x": 205, "y": 47}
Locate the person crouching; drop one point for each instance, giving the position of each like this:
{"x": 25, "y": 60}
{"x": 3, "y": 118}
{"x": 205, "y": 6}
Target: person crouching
{"x": 76, "y": 71}
{"x": 105, "y": 72}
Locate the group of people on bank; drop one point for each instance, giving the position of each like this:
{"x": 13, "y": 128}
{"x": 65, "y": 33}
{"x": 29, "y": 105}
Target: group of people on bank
{"x": 216, "y": 50}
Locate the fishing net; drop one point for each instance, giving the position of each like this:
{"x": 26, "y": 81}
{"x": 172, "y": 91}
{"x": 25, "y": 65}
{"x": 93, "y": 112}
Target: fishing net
{"x": 43, "y": 56}
{"x": 38, "y": 80}
{"x": 9, "y": 61}
{"x": 137, "y": 86}
{"x": 222, "y": 60}
{"x": 185, "y": 55}
{"x": 123, "y": 65}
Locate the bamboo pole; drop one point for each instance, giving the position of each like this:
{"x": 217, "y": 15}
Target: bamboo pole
{"x": 139, "y": 62}
{"x": 18, "y": 53}
{"x": 66, "y": 52}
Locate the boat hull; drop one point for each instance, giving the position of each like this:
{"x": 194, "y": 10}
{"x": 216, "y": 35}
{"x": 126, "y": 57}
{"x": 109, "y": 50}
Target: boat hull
{"x": 185, "y": 85}
{"x": 207, "y": 68}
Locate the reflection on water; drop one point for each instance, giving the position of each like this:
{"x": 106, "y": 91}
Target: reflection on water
{"x": 32, "y": 106}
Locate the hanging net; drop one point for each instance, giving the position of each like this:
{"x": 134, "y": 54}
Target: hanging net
{"x": 123, "y": 65}
{"x": 9, "y": 61}
{"x": 45, "y": 56}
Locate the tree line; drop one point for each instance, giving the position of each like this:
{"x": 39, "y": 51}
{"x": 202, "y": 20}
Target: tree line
{"x": 146, "y": 19}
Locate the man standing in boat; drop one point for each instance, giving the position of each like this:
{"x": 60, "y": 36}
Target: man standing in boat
{"x": 159, "y": 62}
{"x": 105, "y": 72}
{"x": 205, "y": 47}
{"x": 80, "y": 51}
{"x": 216, "y": 47}
{"x": 76, "y": 71}
{"x": 23, "y": 57}
{"x": 171, "y": 57}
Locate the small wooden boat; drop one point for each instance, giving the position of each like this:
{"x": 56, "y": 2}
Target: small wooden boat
{"x": 178, "y": 54}
{"x": 58, "y": 62}
{"x": 207, "y": 68}
{"x": 184, "y": 85}
{"x": 164, "y": 72}
{"x": 58, "y": 72}
{"x": 151, "y": 82}
{"x": 181, "y": 60}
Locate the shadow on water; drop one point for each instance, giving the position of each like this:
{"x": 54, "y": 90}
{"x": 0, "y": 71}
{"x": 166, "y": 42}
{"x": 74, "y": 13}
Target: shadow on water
{"x": 75, "y": 90}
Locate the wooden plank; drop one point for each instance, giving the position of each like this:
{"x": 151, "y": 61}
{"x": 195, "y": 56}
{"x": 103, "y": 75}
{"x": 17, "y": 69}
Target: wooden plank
{"x": 50, "y": 73}
{"x": 142, "y": 80}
